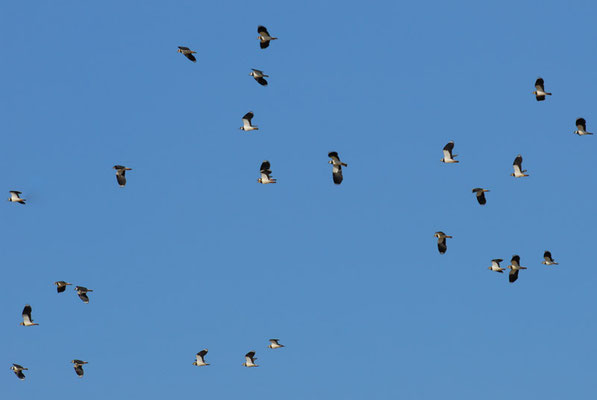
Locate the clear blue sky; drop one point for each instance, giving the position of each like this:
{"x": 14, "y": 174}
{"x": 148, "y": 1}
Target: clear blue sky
{"x": 195, "y": 254}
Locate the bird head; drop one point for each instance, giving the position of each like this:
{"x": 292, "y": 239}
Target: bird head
{"x": 179, "y": 50}
{"x": 259, "y": 180}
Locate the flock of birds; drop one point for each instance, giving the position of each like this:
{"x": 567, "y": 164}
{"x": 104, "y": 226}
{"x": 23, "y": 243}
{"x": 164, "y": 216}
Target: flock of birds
{"x": 265, "y": 171}
{"x": 266, "y": 178}
{"x": 450, "y": 158}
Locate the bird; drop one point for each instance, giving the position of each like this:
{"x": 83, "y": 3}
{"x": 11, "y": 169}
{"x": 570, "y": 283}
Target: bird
{"x": 540, "y": 93}
{"x": 514, "y": 268}
{"x": 518, "y": 171}
{"x": 273, "y": 344}
{"x": 266, "y": 173}
{"x": 259, "y": 76}
{"x": 581, "y": 127}
{"x": 18, "y": 370}
{"x": 247, "y": 122}
{"x": 15, "y": 198}
{"x": 264, "y": 37}
{"x": 61, "y": 286}
{"x": 448, "y": 156}
{"x": 495, "y": 265}
{"x": 79, "y": 367}
{"x": 82, "y": 292}
{"x": 480, "y": 192}
{"x": 188, "y": 53}
{"x": 27, "y": 321}
{"x": 250, "y": 359}
{"x": 441, "y": 241}
{"x": 120, "y": 174}
{"x": 547, "y": 259}
{"x": 200, "y": 362}
{"x": 336, "y": 167}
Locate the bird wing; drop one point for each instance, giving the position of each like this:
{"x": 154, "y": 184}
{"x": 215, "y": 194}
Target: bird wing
{"x": 248, "y": 117}
{"x": 540, "y": 85}
{"x": 337, "y": 174}
{"x": 83, "y": 296}
{"x": 513, "y": 276}
{"x": 441, "y": 245}
{"x": 481, "y": 197}
{"x": 265, "y": 166}
{"x": 184, "y": 48}
{"x": 274, "y": 341}
{"x": 27, "y": 314}
{"x": 61, "y": 289}
{"x": 190, "y": 57}
{"x": 202, "y": 353}
{"x": 120, "y": 177}
{"x": 547, "y": 256}
{"x": 264, "y": 44}
{"x": 581, "y": 124}
{"x": 515, "y": 261}
{"x": 16, "y": 193}
{"x": 261, "y": 81}
{"x": 449, "y": 147}
{"x": 518, "y": 164}
{"x": 79, "y": 369}
{"x": 256, "y": 71}
{"x": 262, "y": 30}
{"x": 250, "y": 356}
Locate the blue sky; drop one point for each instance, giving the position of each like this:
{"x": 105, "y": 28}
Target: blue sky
{"x": 195, "y": 254}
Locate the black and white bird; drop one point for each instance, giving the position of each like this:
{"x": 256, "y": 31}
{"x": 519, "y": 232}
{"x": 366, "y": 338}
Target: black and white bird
{"x": 517, "y": 165}
{"x": 581, "y": 127}
{"x": 442, "y": 246}
{"x": 120, "y": 174}
{"x": 27, "y": 320}
{"x": 448, "y": 156}
{"x": 548, "y": 260}
{"x": 79, "y": 367}
{"x": 247, "y": 122}
{"x": 18, "y": 370}
{"x": 200, "y": 358}
{"x": 274, "y": 344}
{"x": 82, "y": 292}
{"x": 61, "y": 286}
{"x": 480, "y": 192}
{"x": 264, "y": 37}
{"x": 495, "y": 265}
{"x": 188, "y": 53}
{"x": 250, "y": 359}
{"x": 336, "y": 167}
{"x": 266, "y": 173}
{"x": 540, "y": 92}
{"x": 15, "y": 197}
{"x": 514, "y": 268}
{"x": 259, "y": 76}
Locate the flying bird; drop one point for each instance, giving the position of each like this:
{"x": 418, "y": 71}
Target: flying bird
{"x": 259, "y": 76}
{"x": 540, "y": 93}
{"x": 27, "y": 321}
{"x": 548, "y": 260}
{"x": 336, "y": 167}
{"x": 273, "y": 344}
{"x": 250, "y": 359}
{"x": 514, "y": 268}
{"x": 18, "y": 370}
{"x": 15, "y": 198}
{"x": 480, "y": 195}
{"x": 266, "y": 173}
{"x": 581, "y": 127}
{"x": 264, "y": 37}
{"x": 79, "y": 367}
{"x": 441, "y": 241}
{"x": 82, "y": 292}
{"x": 200, "y": 362}
{"x": 61, "y": 286}
{"x": 448, "y": 156}
{"x": 188, "y": 53}
{"x": 518, "y": 171}
{"x": 495, "y": 265}
{"x": 247, "y": 122}
{"x": 120, "y": 174}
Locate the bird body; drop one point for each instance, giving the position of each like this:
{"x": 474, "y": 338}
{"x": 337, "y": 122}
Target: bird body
{"x": 82, "y": 292}
{"x": 18, "y": 370}
{"x": 273, "y": 344}
{"x": 448, "y": 156}
{"x": 336, "y": 167}
{"x": 547, "y": 259}
{"x": 259, "y": 76}
{"x": 495, "y": 265}
{"x": 514, "y": 268}
{"x": 247, "y": 126}
{"x": 26, "y": 314}
{"x": 250, "y": 360}
{"x": 540, "y": 92}
{"x": 15, "y": 197}
{"x": 61, "y": 286}
{"x": 581, "y": 127}
{"x": 442, "y": 246}
{"x": 480, "y": 194}
{"x": 200, "y": 358}
{"x": 517, "y": 165}
{"x": 120, "y": 174}
{"x": 188, "y": 53}
{"x": 266, "y": 173}
{"x": 264, "y": 37}
{"x": 79, "y": 367}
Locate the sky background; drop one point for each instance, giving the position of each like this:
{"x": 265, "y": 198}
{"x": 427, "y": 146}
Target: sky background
{"x": 193, "y": 253}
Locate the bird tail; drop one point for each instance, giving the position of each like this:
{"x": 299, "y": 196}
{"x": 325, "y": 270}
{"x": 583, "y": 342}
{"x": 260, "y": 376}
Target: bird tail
{"x": 522, "y": 267}
{"x": 344, "y": 164}
{"x": 549, "y": 94}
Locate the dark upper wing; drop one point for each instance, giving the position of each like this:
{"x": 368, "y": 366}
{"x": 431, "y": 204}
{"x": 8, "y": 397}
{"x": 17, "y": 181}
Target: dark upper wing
{"x": 261, "y": 81}
{"x": 120, "y": 177}
{"x": 61, "y": 289}
{"x": 27, "y": 311}
{"x": 449, "y": 147}
{"x": 518, "y": 161}
{"x": 250, "y": 354}
{"x": 84, "y": 297}
{"x": 481, "y": 198}
{"x": 337, "y": 174}
{"x": 262, "y": 30}
{"x": 441, "y": 245}
{"x": 184, "y": 48}
{"x": 248, "y": 116}
{"x": 513, "y": 276}
{"x": 202, "y": 353}
{"x": 515, "y": 260}
{"x": 265, "y": 166}
{"x": 190, "y": 57}
{"x": 79, "y": 370}
{"x": 264, "y": 45}
{"x": 581, "y": 124}
{"x": 539, "y": 84}
{"x": 547, "y": 255}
